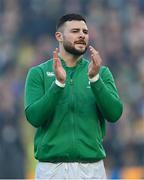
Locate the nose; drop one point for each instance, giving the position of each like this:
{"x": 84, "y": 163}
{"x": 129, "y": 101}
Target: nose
{"x": 81, "y": 34}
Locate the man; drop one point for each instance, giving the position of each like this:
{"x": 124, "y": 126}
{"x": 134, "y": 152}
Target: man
{"x": 68, "y": 99}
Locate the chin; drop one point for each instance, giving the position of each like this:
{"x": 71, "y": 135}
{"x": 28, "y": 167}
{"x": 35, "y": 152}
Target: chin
{"x": 81, "y": 50}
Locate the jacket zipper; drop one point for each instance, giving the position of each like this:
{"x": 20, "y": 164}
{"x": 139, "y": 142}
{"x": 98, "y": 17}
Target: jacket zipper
{"x": 72, "y": 109}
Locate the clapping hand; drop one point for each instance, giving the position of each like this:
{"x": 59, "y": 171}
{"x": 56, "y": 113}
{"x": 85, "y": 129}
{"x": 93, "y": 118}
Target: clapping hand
{"x": 58, "y": 68}
{"x": 95, "y": 63}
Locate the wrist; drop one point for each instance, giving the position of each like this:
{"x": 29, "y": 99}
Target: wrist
{"x": 60, "y": 84}
{"x": 95, "y": 78}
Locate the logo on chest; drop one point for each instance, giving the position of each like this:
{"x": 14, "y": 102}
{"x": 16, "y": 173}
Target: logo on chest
{"x": 50, "y": 74}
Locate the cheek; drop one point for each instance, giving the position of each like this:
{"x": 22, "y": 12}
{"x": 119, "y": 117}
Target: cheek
{"x": 69, "y": 39}
{"x": 87, "y": 39}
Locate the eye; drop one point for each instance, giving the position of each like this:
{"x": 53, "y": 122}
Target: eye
{"x": 74, "y": 30}
{"x": 85, "y": 31}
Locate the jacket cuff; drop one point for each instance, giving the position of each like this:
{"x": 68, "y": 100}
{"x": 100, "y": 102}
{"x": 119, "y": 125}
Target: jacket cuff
{"x": 97, "y": 85}
{"x": 59, "y": 84}
{"x": 95, "y": 78}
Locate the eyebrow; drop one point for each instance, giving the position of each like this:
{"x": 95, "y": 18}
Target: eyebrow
{"x": 79, "y": 29}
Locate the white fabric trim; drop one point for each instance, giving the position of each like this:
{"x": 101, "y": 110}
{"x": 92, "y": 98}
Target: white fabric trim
{"x": 95, "y": 78}
{"x": 59, "y": 83}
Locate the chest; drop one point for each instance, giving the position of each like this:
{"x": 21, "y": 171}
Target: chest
{"x": 77, "y": 88}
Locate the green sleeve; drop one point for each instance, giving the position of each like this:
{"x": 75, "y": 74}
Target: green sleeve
{"x": 107, "y": 97}
{"x": 39, "y": 105}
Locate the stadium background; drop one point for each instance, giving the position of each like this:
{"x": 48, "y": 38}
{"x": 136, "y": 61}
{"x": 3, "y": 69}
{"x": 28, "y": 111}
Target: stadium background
{"x": 116, "y": 29}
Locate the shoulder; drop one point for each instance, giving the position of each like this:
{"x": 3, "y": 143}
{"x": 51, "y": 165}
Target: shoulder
{"x": 105, "y": 70}
{"x": 40, "y": 68}
{"x": 46, "y": 64}
{"x": 105, "y": 73}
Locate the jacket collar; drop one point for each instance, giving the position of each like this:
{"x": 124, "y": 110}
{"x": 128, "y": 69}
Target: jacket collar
{"x": 80, "y": 62}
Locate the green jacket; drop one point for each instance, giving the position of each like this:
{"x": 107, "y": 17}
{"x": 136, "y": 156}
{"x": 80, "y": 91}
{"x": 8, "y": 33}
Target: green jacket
{"x": 70, "y": 121}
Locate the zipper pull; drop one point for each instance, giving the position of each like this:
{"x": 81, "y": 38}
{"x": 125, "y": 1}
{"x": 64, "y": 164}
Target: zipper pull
{"x": 71, "y": 77}
{"x": 71, "y": 81}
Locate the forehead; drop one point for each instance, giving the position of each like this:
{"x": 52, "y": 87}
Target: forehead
{"x": 75, "y": 24}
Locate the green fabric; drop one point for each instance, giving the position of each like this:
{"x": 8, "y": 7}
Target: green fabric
{"x": 70, "y": 121}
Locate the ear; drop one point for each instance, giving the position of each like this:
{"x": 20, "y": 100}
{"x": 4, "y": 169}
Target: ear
{"x": 59, "y": 36}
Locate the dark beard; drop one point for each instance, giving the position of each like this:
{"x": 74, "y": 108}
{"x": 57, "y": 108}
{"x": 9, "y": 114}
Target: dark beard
{"x": 72, "y": 50}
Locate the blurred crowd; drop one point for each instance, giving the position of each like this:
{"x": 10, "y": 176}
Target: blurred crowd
{"x": 116, "y": 29}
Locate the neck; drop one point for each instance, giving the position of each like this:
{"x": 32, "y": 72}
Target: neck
{"x": 70, "y": 59}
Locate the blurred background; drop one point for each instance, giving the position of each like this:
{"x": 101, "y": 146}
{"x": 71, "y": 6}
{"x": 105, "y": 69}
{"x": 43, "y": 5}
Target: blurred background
{"x": 116, "y": 29}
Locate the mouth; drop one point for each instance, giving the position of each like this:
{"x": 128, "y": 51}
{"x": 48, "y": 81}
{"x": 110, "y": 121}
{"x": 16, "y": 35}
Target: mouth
{"x": 80, "y": 42}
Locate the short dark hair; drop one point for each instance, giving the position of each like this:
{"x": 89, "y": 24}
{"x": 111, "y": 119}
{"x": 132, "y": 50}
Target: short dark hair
{"x": 69, "y": 17}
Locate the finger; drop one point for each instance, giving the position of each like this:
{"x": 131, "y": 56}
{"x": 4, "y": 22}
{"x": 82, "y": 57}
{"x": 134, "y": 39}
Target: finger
{"x": 57, "y": 50}
{"x": 95, "y": 57}
{"x": 55, "y": 54}
{"x": 93, "y": 51}
{"x": 96, "y": 61}
{"x": 56, "y": 58}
